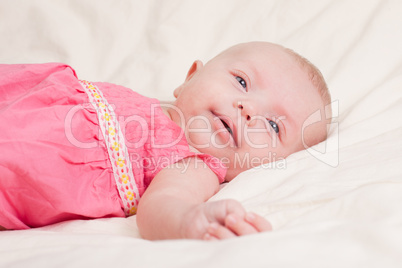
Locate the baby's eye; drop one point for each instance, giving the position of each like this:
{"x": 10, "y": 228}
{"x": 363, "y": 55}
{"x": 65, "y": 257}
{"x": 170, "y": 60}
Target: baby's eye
{"x": 241, "y": 81}
{"x": 274, "y": 126}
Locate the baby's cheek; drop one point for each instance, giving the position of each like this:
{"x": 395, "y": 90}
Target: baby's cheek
{"x": 260, "y": 139}
{"x": 313, "y": 134}
{"x": 198, "y": 132}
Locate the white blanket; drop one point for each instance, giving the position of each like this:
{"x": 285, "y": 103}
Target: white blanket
{"x": 337, "y": 205}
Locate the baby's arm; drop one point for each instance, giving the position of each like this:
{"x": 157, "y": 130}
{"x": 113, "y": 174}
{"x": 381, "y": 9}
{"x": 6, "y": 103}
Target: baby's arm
{"x": 174, "y": 206}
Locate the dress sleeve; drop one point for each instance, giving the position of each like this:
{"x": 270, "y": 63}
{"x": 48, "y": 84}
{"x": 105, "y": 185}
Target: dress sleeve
{"x": 214, "y": 164}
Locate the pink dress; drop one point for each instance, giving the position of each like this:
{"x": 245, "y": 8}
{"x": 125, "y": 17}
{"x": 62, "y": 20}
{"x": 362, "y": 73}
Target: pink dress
{"x": 70, "y": 149}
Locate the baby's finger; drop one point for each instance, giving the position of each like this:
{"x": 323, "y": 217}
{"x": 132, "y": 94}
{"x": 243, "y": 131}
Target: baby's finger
{"x": 218, "y": 231}
{"x": 259, "y": 223}
{"x": 239, "y": 226}
{"x": 209, "y": 237}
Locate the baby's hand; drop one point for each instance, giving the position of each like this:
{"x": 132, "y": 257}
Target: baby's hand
{"x": 234, "y": 225}
{"x": 223, "y": 219}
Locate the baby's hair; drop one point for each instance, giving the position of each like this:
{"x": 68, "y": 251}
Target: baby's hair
{"x": 316, "y": 78}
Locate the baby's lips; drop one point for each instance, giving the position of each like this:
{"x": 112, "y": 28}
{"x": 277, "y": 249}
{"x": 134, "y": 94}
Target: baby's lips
{"x": 233, "y": 127}
{"x": 223, "y": 132}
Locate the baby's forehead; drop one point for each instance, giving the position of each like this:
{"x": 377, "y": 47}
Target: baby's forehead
{"x": 256, "y": 47}
{"x": 252, "y": 50}
{"x": 261, "y": 56}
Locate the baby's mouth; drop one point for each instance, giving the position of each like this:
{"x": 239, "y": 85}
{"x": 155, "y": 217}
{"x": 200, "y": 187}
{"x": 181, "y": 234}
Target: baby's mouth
{"x": 227, "y": 127}
{"x": 229, "y": 130}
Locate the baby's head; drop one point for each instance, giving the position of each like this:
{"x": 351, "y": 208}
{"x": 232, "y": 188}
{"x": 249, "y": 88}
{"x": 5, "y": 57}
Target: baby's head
{"x": 250, "y": 105}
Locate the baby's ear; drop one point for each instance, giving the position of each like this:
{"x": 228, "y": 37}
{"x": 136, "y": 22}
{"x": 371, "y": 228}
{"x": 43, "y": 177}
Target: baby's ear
{"x": 197, "y": 65}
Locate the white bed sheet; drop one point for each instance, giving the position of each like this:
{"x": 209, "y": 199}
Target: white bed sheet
{"x": 339, "y": 208}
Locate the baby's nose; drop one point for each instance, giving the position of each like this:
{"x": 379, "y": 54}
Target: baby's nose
{"x": 247, "y": 111}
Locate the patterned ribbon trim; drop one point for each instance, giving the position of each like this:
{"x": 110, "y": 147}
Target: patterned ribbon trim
{"x": 116, "y": 147}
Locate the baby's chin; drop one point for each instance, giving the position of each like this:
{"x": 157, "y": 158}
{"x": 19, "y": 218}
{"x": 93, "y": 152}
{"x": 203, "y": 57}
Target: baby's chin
{"x": 273, "y": 160}
{"x": 232, "y": 172}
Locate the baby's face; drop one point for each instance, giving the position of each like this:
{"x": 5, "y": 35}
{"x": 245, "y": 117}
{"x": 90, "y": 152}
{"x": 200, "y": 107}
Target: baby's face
{"x": 247, "y": 106}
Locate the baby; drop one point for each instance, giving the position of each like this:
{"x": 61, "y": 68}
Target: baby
{"x": 72, "y": 149}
